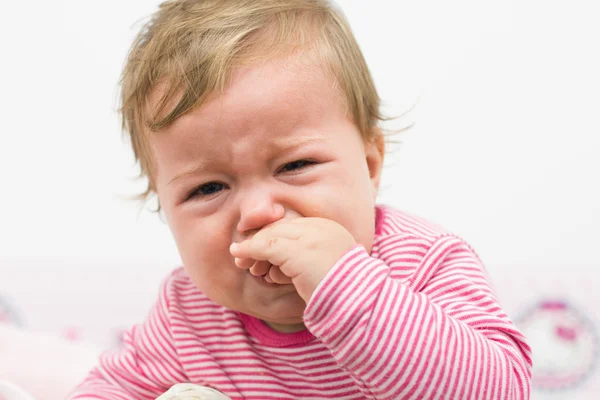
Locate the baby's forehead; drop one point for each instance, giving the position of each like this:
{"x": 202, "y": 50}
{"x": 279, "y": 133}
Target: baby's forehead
{"x": 278, "y": 92}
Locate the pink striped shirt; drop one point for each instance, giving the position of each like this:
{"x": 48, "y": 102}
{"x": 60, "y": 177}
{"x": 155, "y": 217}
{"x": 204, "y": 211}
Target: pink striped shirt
{"x": 415, "y": 319}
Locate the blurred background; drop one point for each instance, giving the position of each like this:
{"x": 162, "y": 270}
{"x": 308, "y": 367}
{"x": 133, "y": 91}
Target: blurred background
{"x": 505, "y": 151}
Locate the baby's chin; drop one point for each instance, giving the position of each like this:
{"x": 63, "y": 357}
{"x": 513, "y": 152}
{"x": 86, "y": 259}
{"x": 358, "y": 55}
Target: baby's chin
{"x": 288, "y": 311}
{"x": 277, "y": 304}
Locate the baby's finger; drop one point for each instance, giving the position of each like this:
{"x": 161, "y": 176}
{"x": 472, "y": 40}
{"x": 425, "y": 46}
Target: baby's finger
{"x": 276, "y": 250}
{"x": 260, "y": 268}
{"x": 268, "y": 279}
{"x": 289, "y": 229}
{"x": 277, "y": 276}
{"x": 244, "y": 263}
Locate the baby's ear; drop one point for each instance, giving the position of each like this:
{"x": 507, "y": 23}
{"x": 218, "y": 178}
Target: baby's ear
{"x": 375, "y": 152}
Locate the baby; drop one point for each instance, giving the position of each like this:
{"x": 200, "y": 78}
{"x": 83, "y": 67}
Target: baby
{"x": 256, "y": 123}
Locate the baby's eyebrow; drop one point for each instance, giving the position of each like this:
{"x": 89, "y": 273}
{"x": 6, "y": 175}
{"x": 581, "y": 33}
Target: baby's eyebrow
{"x": 285, "y": 143}
{"x": 201, "y": 164}
{"x": 277, "y": 145}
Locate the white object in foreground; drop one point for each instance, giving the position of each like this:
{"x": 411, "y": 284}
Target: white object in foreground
{"x": 188, "y": 391}
{"x": 8, "y": 391}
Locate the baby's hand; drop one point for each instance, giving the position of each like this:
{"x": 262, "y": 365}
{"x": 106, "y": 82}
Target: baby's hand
{"x": 300, "y": 249}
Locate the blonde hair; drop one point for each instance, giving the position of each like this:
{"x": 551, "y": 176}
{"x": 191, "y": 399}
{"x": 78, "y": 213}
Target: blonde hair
{"x": 190, "y": 47}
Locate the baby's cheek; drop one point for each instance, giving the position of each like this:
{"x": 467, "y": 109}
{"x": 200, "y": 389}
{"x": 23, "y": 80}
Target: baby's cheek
{"x": 202, "y": 244}
{"x": 357, "y": 216}
{"x": 211, "y": 246}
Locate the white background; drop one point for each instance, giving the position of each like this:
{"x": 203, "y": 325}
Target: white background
{"x": 505, "y": 150}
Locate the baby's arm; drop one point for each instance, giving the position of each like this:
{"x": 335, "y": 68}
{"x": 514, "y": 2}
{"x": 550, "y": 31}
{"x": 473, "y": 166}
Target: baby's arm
{"x": 144, "y": 369}
{"x": 438, "y": 333}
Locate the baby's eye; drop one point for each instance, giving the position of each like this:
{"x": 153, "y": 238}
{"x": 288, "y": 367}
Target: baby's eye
{"x": 294, "y": 165}
{"x": 207, "y": 189}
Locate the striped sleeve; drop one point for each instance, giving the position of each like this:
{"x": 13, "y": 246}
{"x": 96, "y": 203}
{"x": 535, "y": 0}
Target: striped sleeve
{"x": 437, "y": 333}
{"x": 146, "y": 367}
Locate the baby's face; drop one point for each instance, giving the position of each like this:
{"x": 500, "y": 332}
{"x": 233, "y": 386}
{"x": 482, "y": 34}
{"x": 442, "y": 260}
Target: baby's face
{"x": 277, "y": 144}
